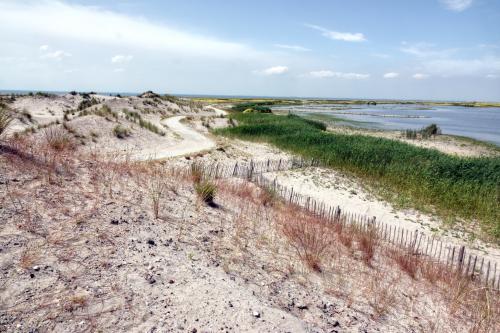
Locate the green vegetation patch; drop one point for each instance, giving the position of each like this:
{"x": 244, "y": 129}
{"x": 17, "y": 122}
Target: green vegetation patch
{"x": 121, "y": 132}
{"x": 258, "y": 107}
{"x": 137, "y": 118}
{"x": 456, "y": 187}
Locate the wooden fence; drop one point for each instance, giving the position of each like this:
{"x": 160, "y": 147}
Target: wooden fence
{"x": 458, "y": 258}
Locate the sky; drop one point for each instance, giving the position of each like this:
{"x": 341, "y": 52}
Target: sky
{"x": 401, "y": 49}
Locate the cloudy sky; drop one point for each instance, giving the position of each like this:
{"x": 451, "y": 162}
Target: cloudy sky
{"x": 426, "y": 49}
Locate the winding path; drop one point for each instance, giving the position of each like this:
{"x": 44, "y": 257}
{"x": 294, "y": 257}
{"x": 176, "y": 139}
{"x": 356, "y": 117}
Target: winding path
{"x": 192, "y": 141}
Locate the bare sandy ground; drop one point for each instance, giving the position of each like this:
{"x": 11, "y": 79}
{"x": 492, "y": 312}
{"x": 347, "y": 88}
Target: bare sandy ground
{"x": 84, "y": 252}
{"x": 189, "y": 142}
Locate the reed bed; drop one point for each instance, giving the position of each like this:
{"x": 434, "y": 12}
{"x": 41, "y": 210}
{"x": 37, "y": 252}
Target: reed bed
{"x": 455, "y": 187}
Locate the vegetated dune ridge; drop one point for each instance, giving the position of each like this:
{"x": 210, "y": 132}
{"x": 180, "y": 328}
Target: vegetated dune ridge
{"x": 85, "y": 247}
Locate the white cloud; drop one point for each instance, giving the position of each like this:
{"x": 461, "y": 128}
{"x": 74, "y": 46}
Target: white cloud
{"x": 445, "y": 62}
{"x": 345, "y": 36}
{"x": 457, "y": 5}
{"x": 120, "y": 59}
{"x": 56, "y": 19}
{"x": 381, "y": 55}
{"x": 425, "y": 50}
{"x": 340, "y": 75}
{"x": 292, "y": 47}
{"x": 118, "y": 70}
{"x": 492, "y": 76}
{"x": 275, "y": 70}
{"x": 420, "y": 76}
{"x": 56, "y": 55}
{"x": 391, "y": 75}
{"x": 463, "y": 67}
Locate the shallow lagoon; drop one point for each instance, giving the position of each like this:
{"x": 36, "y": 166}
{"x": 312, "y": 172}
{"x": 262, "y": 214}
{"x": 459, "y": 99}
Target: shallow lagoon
{"x": 474, "y": 122}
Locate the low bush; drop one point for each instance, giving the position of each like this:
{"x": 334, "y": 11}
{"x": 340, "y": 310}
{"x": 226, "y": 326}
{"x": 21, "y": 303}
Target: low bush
{"x": 206, "y": 191}
{"x": 424, "y": 133}
{"x": 121, "y": 132}
{"x": 87, "y": 103}
{"x": 256, "y": 107}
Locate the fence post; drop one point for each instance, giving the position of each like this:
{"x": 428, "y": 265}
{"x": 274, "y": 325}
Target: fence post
{"x": 468, "y": 265}
{"x": 494, "y": 277}
{"x": 487, "y": 274}
{"x": 460, "y": 258}
{"x": 481, "y": 269}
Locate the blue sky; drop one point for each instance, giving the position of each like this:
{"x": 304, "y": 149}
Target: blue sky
{"x": 426, "y": 49}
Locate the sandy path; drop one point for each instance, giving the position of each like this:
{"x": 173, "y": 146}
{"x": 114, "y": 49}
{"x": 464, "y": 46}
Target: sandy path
{"x": 191, "y": 142}
{"x": 218, "y": 112}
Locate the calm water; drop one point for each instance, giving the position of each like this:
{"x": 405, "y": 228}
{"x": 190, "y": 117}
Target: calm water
{"x": 478, "y": 123}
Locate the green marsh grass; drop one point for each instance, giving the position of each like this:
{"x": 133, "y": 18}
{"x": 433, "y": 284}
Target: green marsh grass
{"x": 467, "y": 188}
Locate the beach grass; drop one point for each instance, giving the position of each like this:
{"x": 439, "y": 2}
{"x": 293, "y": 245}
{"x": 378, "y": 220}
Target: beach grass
{"x": 453, "y": 187}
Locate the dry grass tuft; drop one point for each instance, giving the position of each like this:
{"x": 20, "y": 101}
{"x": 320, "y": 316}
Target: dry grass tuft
{"x": 407, "y": 262}
{"x": 157, "y": 181}
{"x": 310, "y": 236}
{"x": 57, "y": 139}
{"x": 367, "y": 240}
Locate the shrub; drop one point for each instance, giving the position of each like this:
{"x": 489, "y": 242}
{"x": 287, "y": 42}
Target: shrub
{"x": 121, "y": 132}
{"x": 431, "y": 130}
{"x": 425, "y": 133}
{"x": 131, "y": 115}
{"x": 87, "y": 102}
{"x": 106, "y": 112}
{"x": 206, "y": 191}
{"x": 44, "y": 94}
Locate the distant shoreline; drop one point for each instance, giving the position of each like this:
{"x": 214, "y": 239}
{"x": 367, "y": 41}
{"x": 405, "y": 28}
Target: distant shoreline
{"x": 230, "y": 98}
